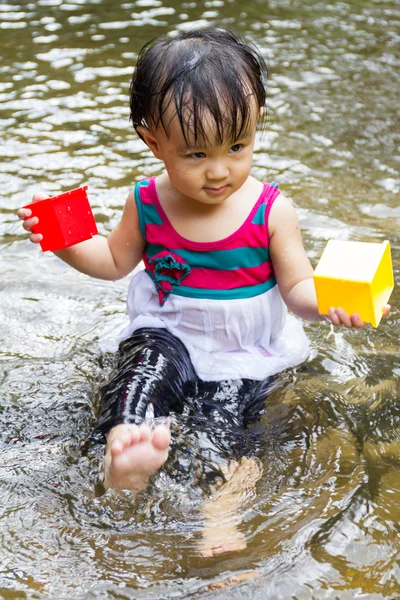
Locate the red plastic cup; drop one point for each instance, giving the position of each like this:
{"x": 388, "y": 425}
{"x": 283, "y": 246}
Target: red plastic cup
{"x": 64, "y": 220}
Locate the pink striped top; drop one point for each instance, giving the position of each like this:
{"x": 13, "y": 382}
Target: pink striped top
{"x": 238, "y": 266}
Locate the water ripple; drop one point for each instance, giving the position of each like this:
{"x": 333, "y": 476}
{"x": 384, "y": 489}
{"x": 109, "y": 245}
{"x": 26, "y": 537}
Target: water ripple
{"x": 324, "y": 517}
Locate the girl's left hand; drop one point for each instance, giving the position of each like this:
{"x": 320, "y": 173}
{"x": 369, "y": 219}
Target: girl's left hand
{"x": 338, "y": 316}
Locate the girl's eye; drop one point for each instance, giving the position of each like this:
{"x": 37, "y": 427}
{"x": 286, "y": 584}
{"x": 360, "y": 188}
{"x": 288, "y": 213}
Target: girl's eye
{"x": 197, "y": 155}
{"x": 236, "y": 148}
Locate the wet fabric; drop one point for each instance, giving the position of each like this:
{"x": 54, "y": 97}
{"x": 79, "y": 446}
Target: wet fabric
{"x": 251, "y": 338}
{"x": 238, "y": 266}
{"x": 155, "y": 367}
{"x": 220, "y": 298}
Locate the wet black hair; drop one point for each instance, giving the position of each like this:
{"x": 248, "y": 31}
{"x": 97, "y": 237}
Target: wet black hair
{"x": 203, "y": 72}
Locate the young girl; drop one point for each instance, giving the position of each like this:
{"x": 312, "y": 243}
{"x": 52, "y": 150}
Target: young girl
{"x": 223, "y": 258}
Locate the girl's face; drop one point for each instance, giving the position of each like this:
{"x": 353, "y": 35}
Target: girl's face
{"x": 207, "y": 174}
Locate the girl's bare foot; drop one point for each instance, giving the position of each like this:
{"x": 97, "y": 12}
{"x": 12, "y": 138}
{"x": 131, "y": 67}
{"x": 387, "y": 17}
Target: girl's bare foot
{"x": 222, "y": 536}
{"x": 133, "y": 453}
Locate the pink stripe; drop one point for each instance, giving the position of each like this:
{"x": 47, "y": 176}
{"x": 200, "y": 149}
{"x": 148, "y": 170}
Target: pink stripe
{"x": 146, "y": 194}
{"x": 214, "y": 279}
{"x": 248, "y": 234}
{"x": 253, "y": 237}
{"x": 268, "y": 194}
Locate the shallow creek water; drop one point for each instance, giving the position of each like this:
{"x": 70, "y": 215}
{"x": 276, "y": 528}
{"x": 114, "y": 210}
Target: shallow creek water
{"x": 324, "y": 522}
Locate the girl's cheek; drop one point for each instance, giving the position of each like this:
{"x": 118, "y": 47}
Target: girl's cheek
{"x": 188, "y": 167}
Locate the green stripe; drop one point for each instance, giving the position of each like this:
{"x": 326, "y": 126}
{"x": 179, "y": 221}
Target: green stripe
{"x": 241, "y": 292}
{"x": 139, "y": 205}
{"x": 259, "y": 217}
{"x": 150, "y": 215}
{"x": 237, "y": 258}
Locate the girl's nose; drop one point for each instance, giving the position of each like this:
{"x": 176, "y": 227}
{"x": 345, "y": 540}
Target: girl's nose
{"x": 217, "y": 170}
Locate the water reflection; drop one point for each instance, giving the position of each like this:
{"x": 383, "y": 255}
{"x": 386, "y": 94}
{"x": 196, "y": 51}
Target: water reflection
{"x": 324, "y": 523}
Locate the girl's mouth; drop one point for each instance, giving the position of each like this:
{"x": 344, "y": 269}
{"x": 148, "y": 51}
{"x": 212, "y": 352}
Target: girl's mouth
{"x": 215, "y": 191}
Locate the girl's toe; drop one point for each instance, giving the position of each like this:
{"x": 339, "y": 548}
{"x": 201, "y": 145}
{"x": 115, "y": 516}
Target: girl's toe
{"x": 161, "y": 437}
{"x": 145, "y": 433}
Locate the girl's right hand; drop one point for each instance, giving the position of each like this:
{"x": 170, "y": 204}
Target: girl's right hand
{"x": 28, "y": 223}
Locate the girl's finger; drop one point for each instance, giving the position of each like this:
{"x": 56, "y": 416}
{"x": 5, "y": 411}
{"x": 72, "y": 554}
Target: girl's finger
{"x": 357, "y": 321}
{"x": 333, "y": 317}
{"x": 29, "y": 223}
{"x": 36, "y": 238}
{"x": 343, "y": 317}
{"x": 38, "y": 197}
{"x": 24, "y": 213}
{"x": 386, "y": 310}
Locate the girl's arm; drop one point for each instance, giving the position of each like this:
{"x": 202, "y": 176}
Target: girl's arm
{"x": 293, "y": 270}
{"x": 110, "y": 257}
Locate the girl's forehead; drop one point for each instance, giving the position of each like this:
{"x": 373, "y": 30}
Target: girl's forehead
{"x": 190, "y": 128}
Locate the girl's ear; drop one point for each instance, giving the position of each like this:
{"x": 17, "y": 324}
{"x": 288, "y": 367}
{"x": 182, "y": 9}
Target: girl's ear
{"x": 149, "y": 139}
{"x": 262, "y": 112}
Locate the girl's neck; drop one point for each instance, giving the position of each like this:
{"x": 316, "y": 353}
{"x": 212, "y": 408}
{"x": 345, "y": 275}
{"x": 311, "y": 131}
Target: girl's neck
{"x": 201, "y": 222}
{"x": 173, "y": 199}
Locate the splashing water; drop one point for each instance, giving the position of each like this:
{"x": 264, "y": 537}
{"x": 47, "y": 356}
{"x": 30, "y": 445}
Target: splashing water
{"x": 152, "y": 421}
{"x": 324, "y": 519}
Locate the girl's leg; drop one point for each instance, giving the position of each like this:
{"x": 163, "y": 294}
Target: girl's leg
{"x": 154, "y": 367}
{"x": 223, "y": 512}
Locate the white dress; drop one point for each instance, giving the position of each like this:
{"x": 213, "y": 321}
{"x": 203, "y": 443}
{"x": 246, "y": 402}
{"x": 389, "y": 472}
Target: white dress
{"x": 249, "y": 338}
{"x": 232, "y": 337}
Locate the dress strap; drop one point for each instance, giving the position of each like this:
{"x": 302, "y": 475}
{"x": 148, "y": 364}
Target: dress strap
{"x": 270, "y": 197}
{"x": 147, "y": 210}
{"x": 270, "y": 193}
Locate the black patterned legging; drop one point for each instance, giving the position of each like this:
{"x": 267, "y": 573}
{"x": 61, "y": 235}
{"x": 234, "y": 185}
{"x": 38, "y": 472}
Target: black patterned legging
{"x": 154, "y": 366}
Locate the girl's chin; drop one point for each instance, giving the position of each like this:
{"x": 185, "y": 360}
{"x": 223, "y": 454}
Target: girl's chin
{"x": 213, "y": 199}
